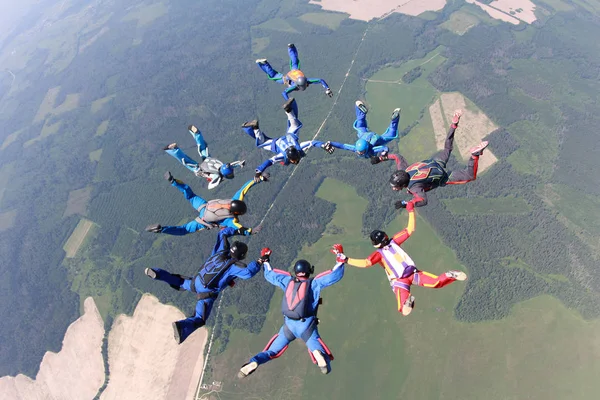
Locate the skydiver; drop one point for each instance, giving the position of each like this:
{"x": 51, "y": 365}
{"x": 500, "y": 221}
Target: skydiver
{"x": 219, "y": 271}
{"x": 287, "y": 148}
{"x": 399, "y": 267}
{"x": 295, "y": 79}
{"x": 213, "y": 170}
{"x": 428, "y": 174}
{"x": 370, "y": 144}
{"x": 299, "y": 308}
{"x": 212, "y": 213}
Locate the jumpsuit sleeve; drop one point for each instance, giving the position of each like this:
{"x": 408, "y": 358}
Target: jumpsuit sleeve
{"x": 343, "y": 146}
{"x": 267, "y": 163}
{"x": 419, "y": 195}
{"x": 235, "y": 224}
{"x": 222, "y": 242}
{"x": 404, "y": 234}
{"x": 373, "y": 259}
{"x": 330, "y": 276}
{"x": 249, "y": 271}
{"x": 400, "y": 161}
{"x": 276, "y": 277}
{"x": 380, "y": 149}
{"x": 239, "y": 195}
{"x": 318, "y": 80}
{"x": 287, "y": 91}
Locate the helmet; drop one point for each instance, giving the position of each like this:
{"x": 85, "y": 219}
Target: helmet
{"x": 226, "y": 171}
{"x": 303, "y": 268}
{"x": 361, "y": 146}
{"x": 399, "y": 179}
{"x": 302, "y": 83}
{"x": 379, "y": 239}
{"x": 293, "y": 155}
{"x": 238, "y": 250}
{"x": 238, "y": 207}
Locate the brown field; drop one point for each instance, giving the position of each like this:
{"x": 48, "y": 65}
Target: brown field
{"x": 75, "y": 372}
{"x": 521, "y": 9}
{"x": 47, "y": 107}
{"x": 77, "y": 237}
{"x": 145, "y": 362}
{"x": 366, "y": 10}
{"x": 78, "y": 201}
{"x": 494, "y": 13}
{"x": 474, "y": 126}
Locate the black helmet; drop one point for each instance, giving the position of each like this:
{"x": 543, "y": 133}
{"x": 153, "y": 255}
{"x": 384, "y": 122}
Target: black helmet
{"x": 303, "y": 267}
{"x": 293, "y": 155}
{"x": 238, "y": 250}
{"x": 379, "y": 239}
{"x": 399, "y": 179}
{"x": 302, "y": 83}
{"x": 238, "y": 207}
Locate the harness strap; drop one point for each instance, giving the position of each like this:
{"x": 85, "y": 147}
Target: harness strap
{"x": 207, "y": 295}
{"x": 309, "y": 331}
{"x": 287, "y": 333}
{"x": 202, "y": 222}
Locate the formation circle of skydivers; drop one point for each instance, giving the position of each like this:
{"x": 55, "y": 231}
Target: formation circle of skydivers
{"x": 302, "y": 291}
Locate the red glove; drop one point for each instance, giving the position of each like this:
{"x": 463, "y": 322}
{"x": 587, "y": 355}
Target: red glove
{"x": 337, "y": 249}
{"x": 410, "y": 206}
{"x": 341, "y": 258}
{"x": 265, "y": 252}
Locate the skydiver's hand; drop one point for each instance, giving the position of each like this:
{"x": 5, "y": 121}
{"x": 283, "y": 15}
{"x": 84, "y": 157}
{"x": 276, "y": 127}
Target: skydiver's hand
{"x": 337, "y": 249}
{"x": 341, "y": 258}
{"x": 328, "y": 147}
{"x": 410, "y": 206}
{"x": 265, "y": 253}
{"x": 375, "y": 160}
{"x": 257, "y": 176}
{"x": 401, "y": 204}
{"x": 256, "y": 229}
{"x": 384, "y": 156}
{"x": 265, "y": 177}
{"x": 328, "y": 92}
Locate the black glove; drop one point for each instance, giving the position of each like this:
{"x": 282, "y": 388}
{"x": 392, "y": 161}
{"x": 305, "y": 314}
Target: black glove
{"x": 328, "y": 92}
{"x": 400, "y": 204}
{"x": 265, "y": 254}
{"x": 375, "y": 160}
{"x": 257, "y": 176}
{"x": 328, "y": 147}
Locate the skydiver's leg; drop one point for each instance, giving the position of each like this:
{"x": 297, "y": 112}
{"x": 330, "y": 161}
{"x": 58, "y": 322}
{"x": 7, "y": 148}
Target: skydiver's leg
{"x": 200, "y": 142}
{"x": 275, "y": 348}
{"x": 271, "y": 73}
{"x": 294, "y": 60}
{"x": 251, "y": 128}
{"x": 361, "y": 119}
{"x": 315, "y": 343}
{"x": 443, "y": 155}
{"x": 187, "y": 326}
{"x": 195, "y": 201}
{"x": 173, "y": 280}
{"x": 391, "y": 132}
{"x": 190, "y": 227}
{"x": 183, "y": 158}
{"x": 401, "y": 288}
{"x": 465, "y": 175}
{"x": 429, "y": 280}
{"x": 291, "y": 111}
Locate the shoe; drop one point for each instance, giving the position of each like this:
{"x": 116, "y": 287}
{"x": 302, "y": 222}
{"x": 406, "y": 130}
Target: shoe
{"x": 396, "y": 114}
{"x": 176, "y": 332}
{"x": 361, "y": 106}
{"x": 408, "y": 306}
{"x": 172, "y": 146}
{"x": 154, "y": 228}
{"x": 456, "y": 116}
{"x": 457, "y": 275}
{"x": 287, "y": 106}
{"x": 247, "y": 369}
{"x": 193, "y": 129}
{"x": 150, "y": 272}
{"x": 251, "y": 124}
{"x": 478, "y": 150}
{"x": 169, "y": 177}
{"x": 291, "y": 46}
{"x": 321, "y": 361}
{"x": 261, "y": 61}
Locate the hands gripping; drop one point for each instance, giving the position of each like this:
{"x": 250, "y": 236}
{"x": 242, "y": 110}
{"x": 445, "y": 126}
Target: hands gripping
{"x": 338, "y": 250}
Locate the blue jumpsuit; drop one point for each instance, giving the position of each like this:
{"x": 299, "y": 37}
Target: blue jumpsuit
{"x": 279, "y": 146}
{"x": 196, "y": 202}
{"x": 293, "y": 329}
{"x": 375, "y": 142}
{"x": 288, "y": 78}
{"x": 190, "y": 163}
{"x": 203, "y": 307}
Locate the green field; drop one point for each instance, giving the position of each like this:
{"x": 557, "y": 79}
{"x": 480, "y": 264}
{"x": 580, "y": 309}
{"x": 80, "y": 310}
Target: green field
{"x": 146, "y": 14}
{"x": 95, "y": 155}
{"x": 101, "y": 130}
{"x": 460, "y": 22}
{"x": 428, "y": 355}
{"x": 480, "y": 205}
{"x": 277, "y": 24}
{"x": 99, "y": 103}
{"x": 78, "y": 237}
{"x": 10, "y": 139}
{"x": 574, "y": 208}
{"x": 329, "y": 20}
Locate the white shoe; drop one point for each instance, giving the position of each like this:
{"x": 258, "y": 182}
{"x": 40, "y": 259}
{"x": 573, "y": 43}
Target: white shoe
{"x": 361, "y": 106}
{"x": 457, "y": 275}
{"x": 408, "y": 306}
{"x": 261, "y": 61}
{"x": 247, "y": 369}
{"x": 193, "y": 129}
{"x": 150, "y": 272}
{"x": 321, "y": 362}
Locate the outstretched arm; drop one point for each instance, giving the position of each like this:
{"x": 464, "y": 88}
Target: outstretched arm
{"x": 276, "y": 277}
{"x": 222, "y": 242}
{"x": 287, "y": 91}
{"x": 330, "y": 276}
{"x": 381, "y": 149}
{"x": 373, "y": 259}
{"x": 267, "y": 163}
{"x": 239, "y": 195}
{"x": 400, "y": 161}
{"x": 319, "y": 80}
{"x": 404, "y": 234}
{"x": 343, "y": 146}
{"x": 249, "y": 271}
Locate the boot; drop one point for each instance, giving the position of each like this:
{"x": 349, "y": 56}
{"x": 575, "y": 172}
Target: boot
{"x": 408, "y": 306}
{"x": 172, "y": 146}
{"x": 169, "y": 177}
{"x": 478, "y": 150}
{"x": 396, "y": 114}
{"x": 251, "y": 124}
{"x": 154, "y": 228}
{"x": 247, "y": 369}
{"x": 361, "y": 106}
{"x": 150, "y": 272}
{"x": 287, "y": 106}
{"x": 457, "y": 275}
{"x": 321, "y": 361}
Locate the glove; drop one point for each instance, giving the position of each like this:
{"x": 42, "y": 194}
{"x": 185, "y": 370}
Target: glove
{"x": 328, "y": 92}
{"x": 341, "y": 258}
{"x": 384, "y": 156}
{"x": 375, "y": 160}
{"x": 410, "y": 206}
{"x": 256, "y": 229}
{"x": 328, "y": 147}
{"x": 232, "y": 283}
{"x": 265, "y": 253}
{"x": 265, "y": 177}
{"x": 401, "y": 204}
{"x": 337, "y": 249}
{"x": 257, "y": 176}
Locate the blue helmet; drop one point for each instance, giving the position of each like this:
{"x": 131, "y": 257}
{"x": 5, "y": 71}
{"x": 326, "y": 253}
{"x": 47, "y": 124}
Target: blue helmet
{"x": 226, "y": 171}
{"x": 361, "y": 146}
